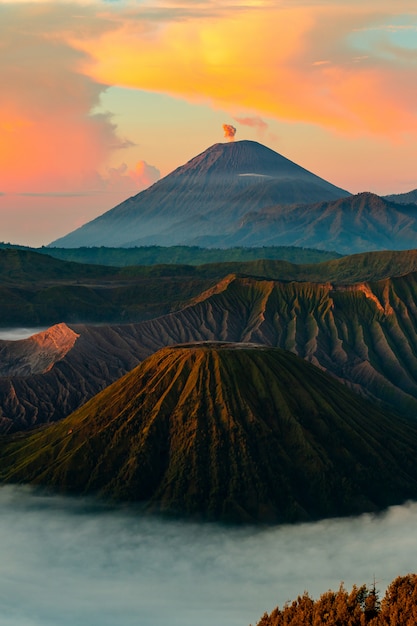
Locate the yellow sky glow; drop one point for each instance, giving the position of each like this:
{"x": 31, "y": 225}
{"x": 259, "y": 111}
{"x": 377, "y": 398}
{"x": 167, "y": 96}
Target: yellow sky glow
{"x": 264, "y": 61}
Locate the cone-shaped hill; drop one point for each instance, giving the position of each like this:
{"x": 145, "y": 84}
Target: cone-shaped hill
{"x": 204, "y": 197}
{"x": 227, "y": 432}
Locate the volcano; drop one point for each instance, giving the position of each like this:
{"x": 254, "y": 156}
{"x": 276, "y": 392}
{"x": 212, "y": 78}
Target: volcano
{"x": 204, "y": 198}
{"x": 223, "y": 431}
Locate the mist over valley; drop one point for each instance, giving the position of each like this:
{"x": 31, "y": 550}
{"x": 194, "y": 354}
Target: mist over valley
{"x": 68, "y": 561}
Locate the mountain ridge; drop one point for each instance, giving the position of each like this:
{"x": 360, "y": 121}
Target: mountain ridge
{"x": 358, "y": 223}
{"x": 364, "y": 334}
{"x": 245, "y": 194}
{"x": 38, "y": 354}
{"x": 37, "y": 291}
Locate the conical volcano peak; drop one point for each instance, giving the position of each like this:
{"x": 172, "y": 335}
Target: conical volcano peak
{"x": 240, "y": 157}
{"x": 217, "y": 345}
{"x": 206, "y": 197}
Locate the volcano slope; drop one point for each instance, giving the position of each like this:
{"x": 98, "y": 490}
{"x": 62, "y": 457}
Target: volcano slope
{"x": 204, "y": 197}
{"x": 224, "y": 432}
{"x": 365, "y": 334}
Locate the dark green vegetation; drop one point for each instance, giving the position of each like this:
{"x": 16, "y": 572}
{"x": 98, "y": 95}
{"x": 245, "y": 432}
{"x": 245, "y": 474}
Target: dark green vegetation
{"x": 204, "y": 198}
{"x": 189, "y": 255}
{"x": 359, "y": 607}
{"x": 38, "y": 290}
{"x": 226, "y": 432}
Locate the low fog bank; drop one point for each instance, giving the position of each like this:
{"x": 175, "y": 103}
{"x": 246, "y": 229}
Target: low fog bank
{"x": 14, "y": 334}
{"x": 68, "y": 562}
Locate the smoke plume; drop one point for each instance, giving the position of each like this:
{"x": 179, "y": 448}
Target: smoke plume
{"x": 229, "y": 131}
{"x": 253, "y": 122}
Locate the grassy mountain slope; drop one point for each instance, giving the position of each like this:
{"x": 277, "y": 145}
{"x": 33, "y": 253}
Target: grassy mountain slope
{"x": 225, "y": 432}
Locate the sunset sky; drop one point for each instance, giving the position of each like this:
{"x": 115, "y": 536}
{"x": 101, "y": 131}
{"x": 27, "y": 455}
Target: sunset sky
{"x": 100, "y": 98}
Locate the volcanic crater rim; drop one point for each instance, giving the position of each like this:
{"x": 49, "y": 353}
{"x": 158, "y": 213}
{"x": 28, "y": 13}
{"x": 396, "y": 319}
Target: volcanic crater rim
{"x": 221, "y": 345}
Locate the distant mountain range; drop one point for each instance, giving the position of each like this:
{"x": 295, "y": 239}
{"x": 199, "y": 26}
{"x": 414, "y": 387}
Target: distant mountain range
{"x": 37, "y": 290}
{"x": 229, "y": 432}
{"x": 403, "y": 198}
{"x": 244, "y": 194}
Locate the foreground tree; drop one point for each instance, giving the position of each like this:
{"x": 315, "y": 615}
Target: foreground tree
{"x": 399, "y": 606}
{"x": 359, "y": 607}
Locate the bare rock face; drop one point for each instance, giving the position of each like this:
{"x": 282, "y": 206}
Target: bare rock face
{"x": 49, "y": 375}
{"x": 37, "y": 354}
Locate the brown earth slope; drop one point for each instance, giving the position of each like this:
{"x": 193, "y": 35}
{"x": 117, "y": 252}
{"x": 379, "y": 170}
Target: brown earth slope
{"x": 364, "y": 334}
{"x": 225, "y": 432}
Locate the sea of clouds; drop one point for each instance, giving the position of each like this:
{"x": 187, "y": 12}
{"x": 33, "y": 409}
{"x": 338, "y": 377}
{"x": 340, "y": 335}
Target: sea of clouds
{"x": 13, "y": 334}
{"x": 69, "y": 562}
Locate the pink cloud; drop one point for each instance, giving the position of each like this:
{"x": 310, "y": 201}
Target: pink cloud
{"x": 51, "y": 138}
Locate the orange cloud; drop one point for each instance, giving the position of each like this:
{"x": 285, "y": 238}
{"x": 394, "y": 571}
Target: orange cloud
{"x": 144, "y": 174}
{"x": 294, "y": 63}
{"x": 50, "y": 138}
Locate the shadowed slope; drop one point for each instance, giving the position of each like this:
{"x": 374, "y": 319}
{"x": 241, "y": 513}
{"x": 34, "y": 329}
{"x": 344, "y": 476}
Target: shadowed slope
{"x": 348, "y": 225}
{"x": 225, "y": 432}
{"x": 409, "y": 197}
